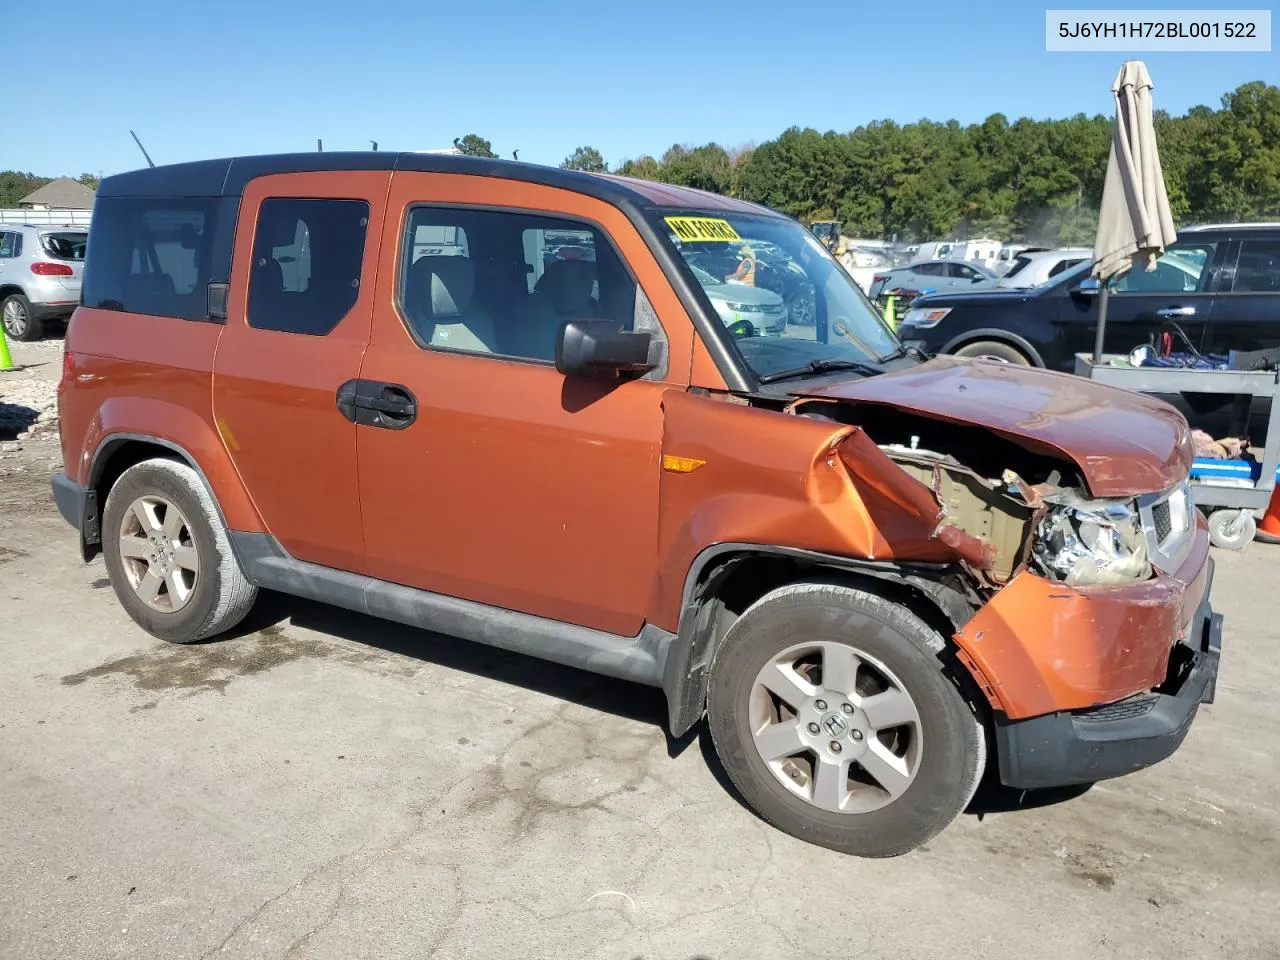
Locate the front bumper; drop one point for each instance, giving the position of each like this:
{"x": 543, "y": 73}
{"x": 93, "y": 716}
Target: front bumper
{"x": 1082, "y": 746}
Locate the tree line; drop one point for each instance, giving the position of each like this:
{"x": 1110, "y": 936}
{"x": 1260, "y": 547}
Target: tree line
{"x": 1028, "y": 180}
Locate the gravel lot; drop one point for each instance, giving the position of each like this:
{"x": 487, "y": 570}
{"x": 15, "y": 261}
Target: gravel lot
{"x": 329, "y": 786}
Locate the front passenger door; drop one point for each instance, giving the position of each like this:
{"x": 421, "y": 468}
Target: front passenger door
{"x": 1174, "y": 296}
{"x": 514, "y": 486}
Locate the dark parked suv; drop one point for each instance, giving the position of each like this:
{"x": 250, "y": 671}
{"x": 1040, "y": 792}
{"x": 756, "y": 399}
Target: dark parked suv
{"x": 1219, "y": 284}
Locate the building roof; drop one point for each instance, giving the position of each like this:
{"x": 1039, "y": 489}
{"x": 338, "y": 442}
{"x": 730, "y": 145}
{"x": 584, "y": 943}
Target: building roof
{"x": 227, "y": 178}
{"x": 61, "y": 194}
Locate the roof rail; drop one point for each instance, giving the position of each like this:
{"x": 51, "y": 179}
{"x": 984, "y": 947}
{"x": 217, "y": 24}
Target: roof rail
{"x": 1248, "y": 225}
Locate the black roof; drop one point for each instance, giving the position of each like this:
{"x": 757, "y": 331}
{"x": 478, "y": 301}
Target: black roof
{"x": 227, "y": 178}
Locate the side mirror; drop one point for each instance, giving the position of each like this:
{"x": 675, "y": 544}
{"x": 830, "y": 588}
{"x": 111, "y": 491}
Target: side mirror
{"x": 1089, "y": 287}
{"x": 601, "y": 348}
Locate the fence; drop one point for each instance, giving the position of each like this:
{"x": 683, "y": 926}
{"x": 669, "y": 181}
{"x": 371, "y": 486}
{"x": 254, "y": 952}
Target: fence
{"x": 46, "y": 218}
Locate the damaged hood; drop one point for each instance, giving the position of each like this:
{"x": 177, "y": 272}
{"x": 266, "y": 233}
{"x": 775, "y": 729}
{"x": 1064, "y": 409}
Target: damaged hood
{"x": 1124, "y": 443}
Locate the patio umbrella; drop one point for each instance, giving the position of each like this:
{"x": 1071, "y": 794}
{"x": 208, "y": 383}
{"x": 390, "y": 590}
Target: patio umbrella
{"x": 1134, "y": 222}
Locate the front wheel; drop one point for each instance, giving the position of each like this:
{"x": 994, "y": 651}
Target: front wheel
{"x": 832, "y": 715}
{"x": 994, "y": 350}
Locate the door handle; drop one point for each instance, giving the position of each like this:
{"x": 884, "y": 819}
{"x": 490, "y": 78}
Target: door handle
{"x": 1176, "y": 312}
{"x": 372, "y": 403}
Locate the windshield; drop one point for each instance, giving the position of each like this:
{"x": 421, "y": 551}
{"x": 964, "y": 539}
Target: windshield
{"x": 805, "y": 308}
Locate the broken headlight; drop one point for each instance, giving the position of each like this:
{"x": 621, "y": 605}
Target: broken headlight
{"x": 1083, "y": 542}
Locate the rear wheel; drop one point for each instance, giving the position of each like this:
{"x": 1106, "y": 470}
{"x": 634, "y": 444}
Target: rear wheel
{"x": 15, "y": 314}
{"x": 994, "y": 350}
{"x": 832, "y": 715}
{"x": 168, "y": 555}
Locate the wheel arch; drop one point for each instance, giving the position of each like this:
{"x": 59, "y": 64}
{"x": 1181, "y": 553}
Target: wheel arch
{"x": 726, "y": 578}
{"x": 116, "y": 453}
{"x": 995, "y": 333}
{"x": 9, "y": 289}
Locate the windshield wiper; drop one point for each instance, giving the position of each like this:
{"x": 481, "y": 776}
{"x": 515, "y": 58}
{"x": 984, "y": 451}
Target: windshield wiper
{"x": 823, "y": 366}
{"x": 894, "y": 354}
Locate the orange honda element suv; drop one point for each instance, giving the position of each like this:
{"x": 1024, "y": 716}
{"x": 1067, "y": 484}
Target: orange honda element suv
{"x": 531, "y": 407}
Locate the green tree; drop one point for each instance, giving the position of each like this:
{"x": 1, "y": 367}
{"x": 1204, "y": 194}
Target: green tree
{"x": 15, "y": 185}
{"x": 475, "y": 146}
{"x": 585, "y": 158}
{"x": 89, "y": 180}
{"x": 1033, "y": 180}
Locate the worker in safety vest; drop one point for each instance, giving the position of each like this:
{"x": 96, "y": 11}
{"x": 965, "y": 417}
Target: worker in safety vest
{"x": 746, "y": 270}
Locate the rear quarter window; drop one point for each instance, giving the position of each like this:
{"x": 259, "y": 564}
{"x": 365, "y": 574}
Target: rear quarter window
{"x": 153, "y": 256}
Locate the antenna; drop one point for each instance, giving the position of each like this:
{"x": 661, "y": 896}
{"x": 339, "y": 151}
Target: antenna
{"x": 515, "y": 154}
{"x": 375, "y": 145}
{"x": 142, "y": 148}
{"x": 319, "y": 145}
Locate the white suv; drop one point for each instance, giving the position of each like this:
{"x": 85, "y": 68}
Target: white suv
{"x": 39, "y": 276}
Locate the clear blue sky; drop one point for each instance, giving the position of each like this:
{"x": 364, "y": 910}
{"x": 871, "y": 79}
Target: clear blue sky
{"x": 241, "y": 77}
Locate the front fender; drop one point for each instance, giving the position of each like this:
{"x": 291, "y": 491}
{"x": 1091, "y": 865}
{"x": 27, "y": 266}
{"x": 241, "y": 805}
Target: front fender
{"x": 780, "y": 480}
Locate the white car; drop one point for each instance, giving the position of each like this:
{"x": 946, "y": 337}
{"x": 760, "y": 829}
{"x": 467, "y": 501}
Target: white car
{"x": 1033, "y": 269}
{"x": 736, "y": 302}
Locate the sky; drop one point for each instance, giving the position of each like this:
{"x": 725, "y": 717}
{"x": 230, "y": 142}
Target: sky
{"x": 234, "y": 77}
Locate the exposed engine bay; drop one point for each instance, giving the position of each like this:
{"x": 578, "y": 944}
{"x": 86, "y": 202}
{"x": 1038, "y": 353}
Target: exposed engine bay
{"x": 1003, "y": 506}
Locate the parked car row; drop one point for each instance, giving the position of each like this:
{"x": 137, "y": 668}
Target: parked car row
{"x": 1219, "y": 286}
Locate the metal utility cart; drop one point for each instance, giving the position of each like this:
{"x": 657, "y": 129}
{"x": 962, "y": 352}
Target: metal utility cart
{"x": 1231, "y": 509}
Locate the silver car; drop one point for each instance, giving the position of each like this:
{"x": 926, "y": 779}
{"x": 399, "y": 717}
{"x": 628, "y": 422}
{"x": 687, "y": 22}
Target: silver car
{"x": 1033, "y": 269}
{"x": 39, "y": 276}
{"x": 937, "y": 276}
{"x": 738, "y": 302}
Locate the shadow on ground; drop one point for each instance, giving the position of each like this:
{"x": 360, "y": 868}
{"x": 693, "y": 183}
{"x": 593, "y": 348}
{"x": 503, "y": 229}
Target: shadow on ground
{"x": 618, "y": 697}
{"x": 14, "y": 419}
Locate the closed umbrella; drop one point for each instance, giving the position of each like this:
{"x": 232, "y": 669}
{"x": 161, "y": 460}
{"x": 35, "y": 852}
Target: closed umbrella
{"x": 1134, "y": 221}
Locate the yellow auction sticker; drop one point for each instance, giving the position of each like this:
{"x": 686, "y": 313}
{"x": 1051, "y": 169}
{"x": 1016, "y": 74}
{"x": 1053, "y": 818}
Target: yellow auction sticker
{"x": 695, "y": 229}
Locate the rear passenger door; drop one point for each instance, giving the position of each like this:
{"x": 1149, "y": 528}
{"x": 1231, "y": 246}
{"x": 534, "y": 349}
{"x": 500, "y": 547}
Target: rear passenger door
{"x": 505, "y": 482}
{"x": 298, "y": 316}
{"x": 1246, "y": 313}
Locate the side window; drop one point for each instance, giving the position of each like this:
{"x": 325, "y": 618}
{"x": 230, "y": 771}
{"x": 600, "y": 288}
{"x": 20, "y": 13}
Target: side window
{"x": 505, "y": 283}
{"x": 961, "y": 271}
{"x": 1184, "y": 268}
{"x": 929, "y": 269}
{"x": 307, "y": 257}
{"x": 151, "y": 256}
{"x": 1060, "y": 266}
{"x": 6, "y": 245}
{"x": 1258, "y": 269}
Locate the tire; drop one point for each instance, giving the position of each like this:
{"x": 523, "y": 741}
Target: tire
{"x": 946, "y": 740}
{"x": 19, "y": 324}
{"x": 994, "y": 350}
{"x": 186, "y": 556}
{"x": 1231, "y": 529}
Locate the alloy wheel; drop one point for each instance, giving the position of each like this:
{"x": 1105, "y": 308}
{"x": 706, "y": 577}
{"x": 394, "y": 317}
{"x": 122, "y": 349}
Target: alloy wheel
{"x": 158, "y": 554}
{"x": 835, "y": 727}
{"x": 14, "y": 318}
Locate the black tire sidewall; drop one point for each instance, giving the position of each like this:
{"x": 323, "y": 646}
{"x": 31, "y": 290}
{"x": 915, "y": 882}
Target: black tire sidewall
{"x": 185, "y": 625}
{"x": 994, "y": 348}
{"x": 941, "y": 786}
{"x": 33, "y": 330}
